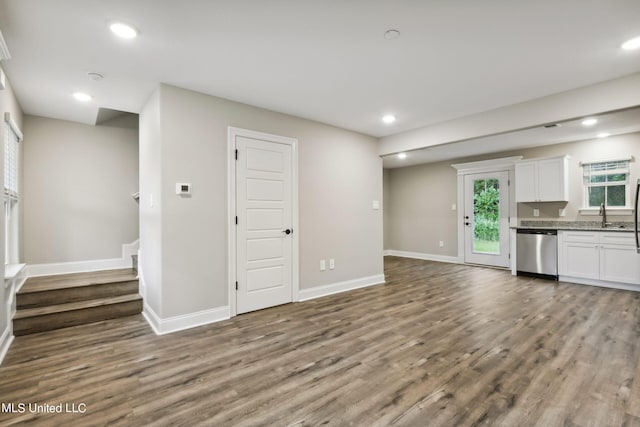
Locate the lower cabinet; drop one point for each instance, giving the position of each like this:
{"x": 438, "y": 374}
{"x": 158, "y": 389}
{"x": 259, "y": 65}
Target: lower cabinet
{"x": 605, "y": 256}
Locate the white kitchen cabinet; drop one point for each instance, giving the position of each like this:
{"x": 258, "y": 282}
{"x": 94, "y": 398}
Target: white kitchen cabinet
{"x": 542, "y": 180}
{"x": 598, "y": 256}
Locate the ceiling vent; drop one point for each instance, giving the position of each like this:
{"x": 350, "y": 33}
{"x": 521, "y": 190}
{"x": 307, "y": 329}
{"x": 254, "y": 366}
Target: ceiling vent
{"x": 4, "y": 50}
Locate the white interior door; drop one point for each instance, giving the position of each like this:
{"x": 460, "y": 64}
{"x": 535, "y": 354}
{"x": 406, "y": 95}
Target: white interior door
{"x": 264, "y": 208}
{"x": 486, "y": 218}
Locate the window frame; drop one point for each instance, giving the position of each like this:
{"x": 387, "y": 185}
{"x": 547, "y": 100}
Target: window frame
{"x": 586, "y": 185}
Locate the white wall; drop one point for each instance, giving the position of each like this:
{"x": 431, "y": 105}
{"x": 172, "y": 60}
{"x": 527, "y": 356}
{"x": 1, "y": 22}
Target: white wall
{"x": 77, "y": 190}
{"x": 150, "y": 261}
{"x": 421, "y": 196}
{"x": 340, "y": 174}
{"x": 611, "y": 95}
{"x": 8, "y": 103}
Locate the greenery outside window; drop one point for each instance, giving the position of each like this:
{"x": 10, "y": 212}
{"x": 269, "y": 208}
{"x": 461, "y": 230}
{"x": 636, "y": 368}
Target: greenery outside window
{"x": 606, "y": 182}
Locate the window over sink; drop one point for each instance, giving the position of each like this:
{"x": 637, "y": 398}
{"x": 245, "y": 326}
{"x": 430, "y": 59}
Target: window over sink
{"x": 606, "y": 182}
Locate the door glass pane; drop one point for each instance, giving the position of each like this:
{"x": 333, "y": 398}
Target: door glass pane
{"x": 486, "y": 216}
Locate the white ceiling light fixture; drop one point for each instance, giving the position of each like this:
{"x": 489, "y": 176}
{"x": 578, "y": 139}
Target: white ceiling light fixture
{"x": 391, "y": 34}
{"x": 389, "y": 118}
{"x": 631, "y": 44}
{"x": 589, "y": 122}
{"x": 402, "y": 156}
{"x": 82, "y": 97}
{"x": 123, "y": 30}
{"x": 603, "y": 135}
{"x": 96, "y": 77}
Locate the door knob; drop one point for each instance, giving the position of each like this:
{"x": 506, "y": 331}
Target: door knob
{"x": 287, "y": 231}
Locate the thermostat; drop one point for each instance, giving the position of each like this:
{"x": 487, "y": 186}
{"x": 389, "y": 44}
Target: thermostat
{"x": 183, "y": 189}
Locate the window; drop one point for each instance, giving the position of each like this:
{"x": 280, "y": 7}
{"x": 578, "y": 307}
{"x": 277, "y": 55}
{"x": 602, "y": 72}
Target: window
{"x": 11, "y": 189}
{"x": 606, "y": 182}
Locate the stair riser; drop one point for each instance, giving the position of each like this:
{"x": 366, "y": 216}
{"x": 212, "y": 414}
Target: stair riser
{"x": 84, "y": 293}
{"x": 53, "y": 321}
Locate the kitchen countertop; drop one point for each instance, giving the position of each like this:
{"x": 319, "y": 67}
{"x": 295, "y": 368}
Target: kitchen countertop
{"x": 623, "y": 227}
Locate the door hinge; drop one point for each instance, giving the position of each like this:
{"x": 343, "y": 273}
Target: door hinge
{"x": 509, "y": 258}
{"x": 236, "y": 154}
{"x": 236, "y": 220}
{"x": 236, "y": 286}
{"x": 508, "y": 181}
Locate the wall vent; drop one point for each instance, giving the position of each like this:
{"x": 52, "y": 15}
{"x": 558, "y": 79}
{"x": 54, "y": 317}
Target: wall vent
{"x": 4, "y": 50}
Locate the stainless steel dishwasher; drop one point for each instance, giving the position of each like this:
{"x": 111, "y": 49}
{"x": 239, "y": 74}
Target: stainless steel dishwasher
{"x": 537, "y": 253}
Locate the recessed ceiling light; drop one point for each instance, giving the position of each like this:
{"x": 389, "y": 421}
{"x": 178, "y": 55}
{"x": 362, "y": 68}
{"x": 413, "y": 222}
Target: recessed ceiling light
{"x": 82, "y": 97}
{"x": 589, "y": 122}
{"x": 402, "y": 155}
{"x": 389, "y": 118}
{"x": 391, "y": 34}
{"x": 123, "y": 30}
{"x": 603, "y": 135}
{"x": 631, "y": 44}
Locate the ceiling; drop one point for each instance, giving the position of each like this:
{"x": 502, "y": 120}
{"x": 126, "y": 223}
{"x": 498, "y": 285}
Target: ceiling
{"x": 612, "y": 123}
{"x": 323, "y": 60}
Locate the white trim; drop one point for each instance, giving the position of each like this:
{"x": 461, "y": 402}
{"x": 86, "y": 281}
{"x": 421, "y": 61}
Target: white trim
{"x": 493, "y": 165}
{"x": 610, "y": 211}
{"x": 424, "y": 256}
{"x": 232, "y": 132}
{"x": 614, "y": 159}
{"x": 4, "y": 49}
{"x": 5, "y": 342}
{"x": 13, "y": 125}
{"x": 600, "y": 283}
{"x": 186, "y": 321}
{"x": 35, "y": 270}
{"x": 52, "y": 269}
{"x": 142, "y": 285}
{"x": 335, "y": 288}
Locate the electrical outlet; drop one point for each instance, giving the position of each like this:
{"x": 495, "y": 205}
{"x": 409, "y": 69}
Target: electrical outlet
{"x": 453, "y": 207}
{"x": 323, "y": 265}
{"x": 562, "y": 212}
{"x": 441, "y": 244}
{"x": 332, "y": 264}
{"x": 536, "y": 212}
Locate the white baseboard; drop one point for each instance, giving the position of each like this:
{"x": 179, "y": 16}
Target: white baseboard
{"x": 5, "y": 342}
{"x": 334, "y": 288}
{"x": 142, "y": 285}
{"x": 34, "y": 270}
{"x": 426, "y": 257}
{"x": 185, "y": 321}
{"x": 599, "y": 283}
{"x": 52, "y": 269}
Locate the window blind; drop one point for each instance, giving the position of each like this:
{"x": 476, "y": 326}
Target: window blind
{"x": 615, "y": 167}
{"x": 13, "y": 136}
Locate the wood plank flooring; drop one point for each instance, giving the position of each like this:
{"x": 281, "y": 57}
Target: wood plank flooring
{"x": 438, "y": 345}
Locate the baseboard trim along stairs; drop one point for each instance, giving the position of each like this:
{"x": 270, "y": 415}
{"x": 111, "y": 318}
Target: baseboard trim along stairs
{"x": 52, "y": 302}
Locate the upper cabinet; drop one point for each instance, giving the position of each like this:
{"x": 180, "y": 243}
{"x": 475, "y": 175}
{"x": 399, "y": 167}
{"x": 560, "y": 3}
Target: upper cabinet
{"x": 542, "y": 180}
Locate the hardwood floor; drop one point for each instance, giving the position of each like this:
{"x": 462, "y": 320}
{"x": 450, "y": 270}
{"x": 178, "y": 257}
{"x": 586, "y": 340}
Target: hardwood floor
{"x": 439, "y": 344}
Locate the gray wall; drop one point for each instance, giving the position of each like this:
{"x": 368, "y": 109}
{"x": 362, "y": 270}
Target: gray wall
{"x": 421, "y": 196}
{"x": 340, "y": 174}
{"x": 8, "y": 103}
{"x": 77, "y": 190}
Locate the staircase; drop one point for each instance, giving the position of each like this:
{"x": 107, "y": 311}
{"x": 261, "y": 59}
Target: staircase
{"x": 54, "y": 302}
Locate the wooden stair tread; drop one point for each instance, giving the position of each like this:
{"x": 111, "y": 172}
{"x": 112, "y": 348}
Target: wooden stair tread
{"x": 66, "y": 281}
{"x": 60, "y": 308}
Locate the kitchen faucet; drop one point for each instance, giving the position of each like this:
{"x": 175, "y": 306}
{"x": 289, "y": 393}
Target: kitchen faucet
{"x": 603, "y": 214}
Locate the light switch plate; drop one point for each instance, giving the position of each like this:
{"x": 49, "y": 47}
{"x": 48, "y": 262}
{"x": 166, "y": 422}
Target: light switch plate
{"x": 536, "y": 212}
{"x": 332, "y": 264}
{"x": 562, "y": 212}
{"x": 376, "y": 205}
{"x": 323, "y": 265}
{"x": 183, "y": 188}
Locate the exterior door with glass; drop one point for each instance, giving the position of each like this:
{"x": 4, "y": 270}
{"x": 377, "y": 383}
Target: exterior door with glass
{"x": 486, "y": 218}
